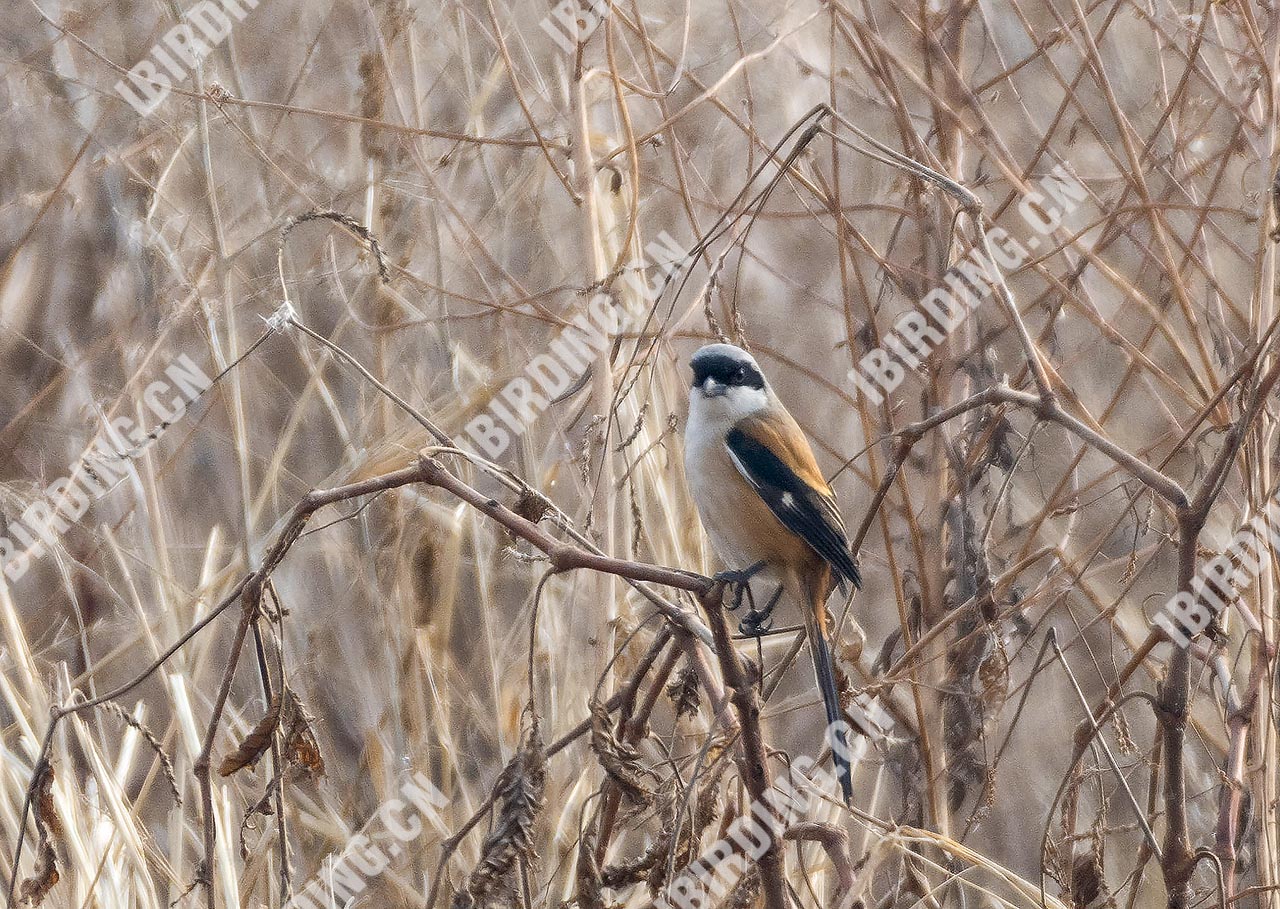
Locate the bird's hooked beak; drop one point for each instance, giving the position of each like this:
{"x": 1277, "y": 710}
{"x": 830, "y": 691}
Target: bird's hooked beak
{"x": 713, "y": 388}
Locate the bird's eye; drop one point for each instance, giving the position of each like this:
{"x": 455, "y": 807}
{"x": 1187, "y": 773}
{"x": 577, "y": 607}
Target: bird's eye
{"x": 740, "y": 376}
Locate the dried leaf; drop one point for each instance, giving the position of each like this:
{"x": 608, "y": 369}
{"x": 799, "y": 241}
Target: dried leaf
{"x": 304, "y": 752}
{"x": 620, "y": 761}
{"x": 994, "y": 675}
{"x": 517, "y": 798}
{"x": 255, "y": 743}
{"x": 35, "y": 888}
{"x": 301, "y": 749}
{"x": 631, "y": 871}
{"x": 683, "y": 691}
{"x": 47, "y": 819}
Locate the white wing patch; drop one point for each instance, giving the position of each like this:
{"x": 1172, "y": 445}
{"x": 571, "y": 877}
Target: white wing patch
{"x": 787, "y": 500}
{"x": 742, "y": 469}
{"x": 809, "y": 513}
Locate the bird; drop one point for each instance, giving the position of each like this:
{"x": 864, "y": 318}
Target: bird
{"x": 766, "y": 506}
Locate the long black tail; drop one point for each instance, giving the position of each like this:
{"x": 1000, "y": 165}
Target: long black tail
{"x": 836, "y": 723}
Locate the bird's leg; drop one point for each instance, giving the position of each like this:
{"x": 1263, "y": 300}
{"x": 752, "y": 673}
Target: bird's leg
{"x": 756, "y": 622}
{"x": 740, "y": 575}
{"x": 739, "y": 579}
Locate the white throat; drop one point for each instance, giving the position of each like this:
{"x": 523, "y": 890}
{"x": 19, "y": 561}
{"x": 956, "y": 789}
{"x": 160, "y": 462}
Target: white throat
{"x": 711, "y": 418}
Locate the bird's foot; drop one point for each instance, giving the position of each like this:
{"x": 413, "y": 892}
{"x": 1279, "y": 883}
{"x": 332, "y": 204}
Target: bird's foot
{"x": 758, "y": 622}
{"x": 739, "y": 579}
{"x": 755, "y": 623}
{"x": 739, "y": 575}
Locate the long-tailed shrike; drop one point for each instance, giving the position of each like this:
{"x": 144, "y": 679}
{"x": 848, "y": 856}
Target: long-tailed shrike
{"x": 765, "y": 503}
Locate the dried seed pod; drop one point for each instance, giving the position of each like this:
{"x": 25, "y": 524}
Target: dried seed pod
{"x": 517, "y": 798}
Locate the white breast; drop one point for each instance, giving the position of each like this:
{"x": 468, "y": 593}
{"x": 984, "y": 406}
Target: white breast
{"x": 715, "y": 482}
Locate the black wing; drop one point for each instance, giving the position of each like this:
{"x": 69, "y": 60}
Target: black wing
{"x": 809, "y": 513}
